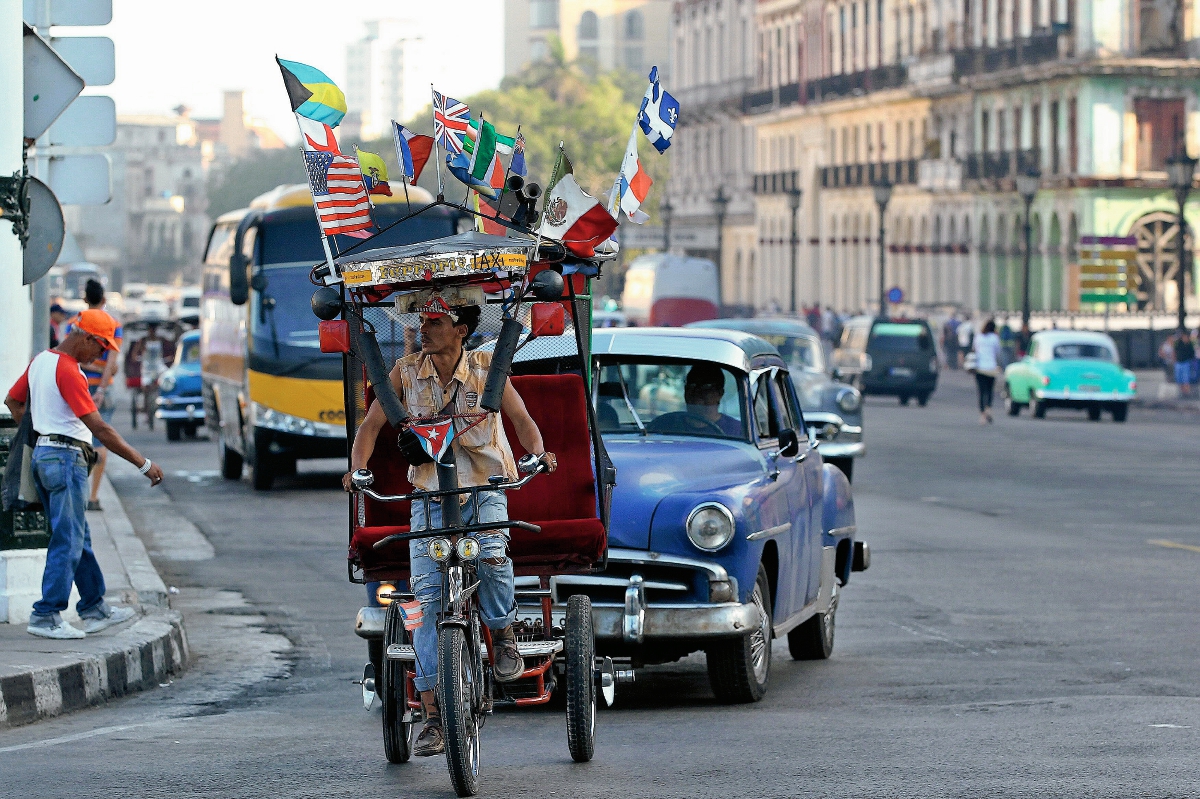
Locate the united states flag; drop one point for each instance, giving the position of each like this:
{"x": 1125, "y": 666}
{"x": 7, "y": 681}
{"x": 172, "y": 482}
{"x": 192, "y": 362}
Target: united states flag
{"x": 339, "y": 194}
{"x": 451, "y": 121}
{"x": 412, "y": 614}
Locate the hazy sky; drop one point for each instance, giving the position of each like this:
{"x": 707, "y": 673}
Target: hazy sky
{"x": 180, "y": 51}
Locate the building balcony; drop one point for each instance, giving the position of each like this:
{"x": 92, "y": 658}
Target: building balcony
{"x": 728, "y": 92}
{"x": 1000, "y": 166}
{"x": 898, "y": 173}
{"x": 776, "y": 182}
{"x": 1039, "y": 48}
{"x": 854, "y": 84}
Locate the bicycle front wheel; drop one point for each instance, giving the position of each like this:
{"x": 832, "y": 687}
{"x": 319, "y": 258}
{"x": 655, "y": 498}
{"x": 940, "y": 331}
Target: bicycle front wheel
{"x": 457, "y": 681}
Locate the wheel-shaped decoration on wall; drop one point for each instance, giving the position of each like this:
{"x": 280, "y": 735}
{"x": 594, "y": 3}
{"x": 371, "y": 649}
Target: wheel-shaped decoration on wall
{"x": 1158, "y": 261}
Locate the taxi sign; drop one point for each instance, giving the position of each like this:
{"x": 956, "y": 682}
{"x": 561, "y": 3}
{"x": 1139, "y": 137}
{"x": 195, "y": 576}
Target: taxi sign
{"x": 454, "y": 258}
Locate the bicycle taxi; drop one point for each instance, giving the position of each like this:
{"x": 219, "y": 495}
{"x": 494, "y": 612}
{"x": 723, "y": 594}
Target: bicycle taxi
{"x": 533, "y": 293}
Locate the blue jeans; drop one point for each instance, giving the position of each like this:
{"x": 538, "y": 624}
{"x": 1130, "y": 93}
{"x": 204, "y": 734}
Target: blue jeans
{"x": 62, "y": 483}
{"x": 497, "y": 604}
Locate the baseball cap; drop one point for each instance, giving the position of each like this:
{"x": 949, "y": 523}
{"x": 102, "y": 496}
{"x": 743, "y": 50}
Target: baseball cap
{"x": 437, "y": 307}
{"x": 99, "y": 324}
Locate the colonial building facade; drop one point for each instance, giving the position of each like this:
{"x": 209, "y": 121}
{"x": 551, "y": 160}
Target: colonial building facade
{"x": 948, "y": 102}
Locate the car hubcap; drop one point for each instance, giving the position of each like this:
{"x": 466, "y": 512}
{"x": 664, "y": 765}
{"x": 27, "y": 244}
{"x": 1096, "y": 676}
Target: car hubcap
{"x": 760, "y": 648}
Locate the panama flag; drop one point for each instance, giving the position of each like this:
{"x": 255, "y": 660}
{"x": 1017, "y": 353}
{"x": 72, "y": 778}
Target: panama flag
{"x": 574, "y": 217}
{"x": 633, "y": 184}
{"x": 658, "y": 115}
{"x": 412, "y": 150}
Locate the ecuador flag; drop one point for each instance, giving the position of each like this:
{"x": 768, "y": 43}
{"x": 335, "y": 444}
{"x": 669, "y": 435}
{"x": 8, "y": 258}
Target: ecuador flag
{"x": 312, "y": 93}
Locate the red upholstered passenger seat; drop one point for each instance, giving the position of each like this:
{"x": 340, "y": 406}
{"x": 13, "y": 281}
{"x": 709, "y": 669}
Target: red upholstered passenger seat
{"x": 563, "y": 503}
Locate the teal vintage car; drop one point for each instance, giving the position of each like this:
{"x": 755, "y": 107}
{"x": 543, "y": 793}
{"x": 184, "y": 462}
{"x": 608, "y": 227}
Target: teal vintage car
{"x": 1070, "y": 369}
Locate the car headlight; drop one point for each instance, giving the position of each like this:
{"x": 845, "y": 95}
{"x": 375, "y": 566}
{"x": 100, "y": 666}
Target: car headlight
{"x": 710, "y": 526}
{"x": 468, "y": 548}
{"x": 383, "y": 594}
{"x": 849, "y": 400}
{"x": 166, "y": 382}
{"x": 439, "y": 549}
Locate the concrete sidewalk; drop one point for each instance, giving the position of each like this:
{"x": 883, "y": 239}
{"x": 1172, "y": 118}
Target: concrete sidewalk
{"x": 40, "y": 678}
{"x": 1154, "y": 391}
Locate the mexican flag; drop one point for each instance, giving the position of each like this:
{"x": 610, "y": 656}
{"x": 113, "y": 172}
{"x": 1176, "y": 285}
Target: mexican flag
{"x": 572, "y": 216}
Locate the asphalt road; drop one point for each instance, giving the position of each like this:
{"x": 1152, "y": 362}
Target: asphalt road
{"x": 1028, "y": 628}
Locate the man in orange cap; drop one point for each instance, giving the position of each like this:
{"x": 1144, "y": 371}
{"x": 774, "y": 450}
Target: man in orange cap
{"x": 54, "y": 390}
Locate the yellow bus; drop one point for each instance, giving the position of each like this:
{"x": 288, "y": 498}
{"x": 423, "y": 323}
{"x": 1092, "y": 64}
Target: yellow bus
{"x": 271, "y": 397}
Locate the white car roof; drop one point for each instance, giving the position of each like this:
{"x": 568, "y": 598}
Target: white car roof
{"x": 1053, "y": 338}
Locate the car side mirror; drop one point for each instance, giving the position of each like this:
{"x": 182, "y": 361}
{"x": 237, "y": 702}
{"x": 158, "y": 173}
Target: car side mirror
{"x": 789, "y": 443}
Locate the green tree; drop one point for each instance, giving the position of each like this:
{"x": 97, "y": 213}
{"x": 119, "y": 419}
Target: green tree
{"x": 240, "y": 182}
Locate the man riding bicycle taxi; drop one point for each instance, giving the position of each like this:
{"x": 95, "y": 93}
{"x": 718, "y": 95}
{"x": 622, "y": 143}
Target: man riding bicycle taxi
{"x": 444, "y": 378}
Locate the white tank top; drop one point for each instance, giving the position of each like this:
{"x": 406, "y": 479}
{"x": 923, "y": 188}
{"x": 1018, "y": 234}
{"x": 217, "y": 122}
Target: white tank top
{"x": 56, "y": 383}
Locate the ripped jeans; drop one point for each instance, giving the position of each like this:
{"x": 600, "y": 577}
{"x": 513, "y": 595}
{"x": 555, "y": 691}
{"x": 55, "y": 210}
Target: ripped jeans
{"x": 497, "y": 604}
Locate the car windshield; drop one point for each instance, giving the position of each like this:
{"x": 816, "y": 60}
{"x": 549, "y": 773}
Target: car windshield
{"x": 1076, "y": 351}
{"x": 660, "y": 397}
{"x": 191, "y": 351}
{"x": 899, "y": 337}
{"x": 799, "y": 352}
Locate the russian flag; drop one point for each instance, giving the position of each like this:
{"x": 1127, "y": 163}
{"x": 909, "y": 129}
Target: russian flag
{"x": 412, "y": 150}
{"x": 634, "y": 183}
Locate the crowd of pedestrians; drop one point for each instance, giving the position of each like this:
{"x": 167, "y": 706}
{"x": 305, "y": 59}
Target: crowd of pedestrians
{"x": 1180, "y": 355}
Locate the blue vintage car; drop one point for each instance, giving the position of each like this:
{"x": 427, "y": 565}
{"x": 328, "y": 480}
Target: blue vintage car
{"x": 180, "y": 403}
{"x": 728, "y": 530}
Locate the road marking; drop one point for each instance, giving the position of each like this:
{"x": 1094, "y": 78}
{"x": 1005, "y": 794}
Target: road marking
{"x": 79, "y": 736}
{"x": 1162, "y": 542}
{"x": 1172, "y": 726}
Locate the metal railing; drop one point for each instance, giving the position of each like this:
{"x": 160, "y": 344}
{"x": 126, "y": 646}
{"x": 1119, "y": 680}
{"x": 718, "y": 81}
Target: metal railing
{"x": 998, "y": 166}
{"x": 855, "y": 175}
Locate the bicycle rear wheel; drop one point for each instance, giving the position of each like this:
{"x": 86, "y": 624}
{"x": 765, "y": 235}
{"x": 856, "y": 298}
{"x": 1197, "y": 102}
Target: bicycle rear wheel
{"x": 457, "y": 681}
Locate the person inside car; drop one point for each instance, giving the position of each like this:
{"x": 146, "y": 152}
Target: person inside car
{"x": 702, "y": 391}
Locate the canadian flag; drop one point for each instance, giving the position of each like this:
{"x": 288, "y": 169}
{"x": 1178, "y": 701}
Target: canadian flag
{"x": 574, "y": 217}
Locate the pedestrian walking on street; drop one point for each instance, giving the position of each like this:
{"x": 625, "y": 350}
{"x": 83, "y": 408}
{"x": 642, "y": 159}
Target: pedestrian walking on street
{"x": 55, "y": 393}
{"x": 966, "y": 338}
{"x": 987, "y": 368}
{"x": 1185, "y": 353}
{"x": 100, "y": 374}
{"x": 1166, "y": 354}
{"x": 950, "y": 341}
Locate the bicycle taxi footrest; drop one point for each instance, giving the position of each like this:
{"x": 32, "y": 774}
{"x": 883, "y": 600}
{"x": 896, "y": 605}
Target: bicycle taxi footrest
{"x": 526, "y": 648}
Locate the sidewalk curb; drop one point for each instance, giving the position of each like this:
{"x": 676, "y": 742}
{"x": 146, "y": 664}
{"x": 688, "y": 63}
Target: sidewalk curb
{"x": 140, "y": 657}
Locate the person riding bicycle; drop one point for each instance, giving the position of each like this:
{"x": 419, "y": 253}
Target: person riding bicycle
{"x": 443, "y": 374}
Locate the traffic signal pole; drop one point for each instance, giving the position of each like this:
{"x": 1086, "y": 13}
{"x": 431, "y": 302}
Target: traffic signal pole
{"x": 15, "y": 307}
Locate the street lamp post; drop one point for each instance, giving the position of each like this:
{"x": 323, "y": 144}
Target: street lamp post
{"x": 794, "y": 203}
{"x": 1027, "y": 187}
{"x": 883, "y": 194}
{"x": 1180, "y": 170}
{"x": 665, "y": 208}
{"x": 720, "y": 204}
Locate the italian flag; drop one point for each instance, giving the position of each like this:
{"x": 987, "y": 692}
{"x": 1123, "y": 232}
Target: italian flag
{"x": 572, "y": 216}
{"x": 485, "y": 159}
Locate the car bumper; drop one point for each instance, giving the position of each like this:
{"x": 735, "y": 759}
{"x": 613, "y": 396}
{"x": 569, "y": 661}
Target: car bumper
{"x": 1087, "y": 397}
{"x": 188, "y": 408}
{"x": 845, "y": 441}
{"x": 657, "y": 622}
{"x": 842, "y": 449}
{"x": 899, "y": 385}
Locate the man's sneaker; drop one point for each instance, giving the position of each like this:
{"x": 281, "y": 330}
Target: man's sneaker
{"x": 430, "y": 742}
{"x": 52, "y": 626}
{"x": 508, "y": 664}
{"x": 104, "y": 616}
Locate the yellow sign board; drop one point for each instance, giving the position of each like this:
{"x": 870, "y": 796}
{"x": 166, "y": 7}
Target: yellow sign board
{"x": 436, "y": 266}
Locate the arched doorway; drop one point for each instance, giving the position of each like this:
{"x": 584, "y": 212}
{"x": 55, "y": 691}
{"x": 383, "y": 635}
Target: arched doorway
{"x": 1158, "y": 261}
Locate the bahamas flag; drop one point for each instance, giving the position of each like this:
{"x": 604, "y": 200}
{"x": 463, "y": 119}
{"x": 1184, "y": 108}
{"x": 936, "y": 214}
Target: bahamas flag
{"x": 314, "y": 96}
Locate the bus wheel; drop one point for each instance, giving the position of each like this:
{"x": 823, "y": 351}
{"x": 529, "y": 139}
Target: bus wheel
{"x": 231, "y": 462}
{"x": 262, "y": 471}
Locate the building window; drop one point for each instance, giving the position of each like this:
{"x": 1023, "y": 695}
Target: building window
{"x": 543, "y": 14}
{"x": 1160, "y": 129}
{"x": 842, "y": 37}
{"x": 635, "y": 26}
{"x": 539, "y": 50}
{"x": 1035, "y": 132}
{"x": 633, "y": 58}
{"x": 1001, "y": 131}
{"x": 879, "y": 33}
{"x": 1054, "y": 137}
{"x": 984, "y": 131}
{"x": 589, "y": 25}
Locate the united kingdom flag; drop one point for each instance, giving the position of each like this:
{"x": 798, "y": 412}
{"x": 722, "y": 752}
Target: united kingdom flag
{"x": 451, "y": 122}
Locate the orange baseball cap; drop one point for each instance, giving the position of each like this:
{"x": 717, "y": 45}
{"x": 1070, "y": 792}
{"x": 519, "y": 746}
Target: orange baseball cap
{"x": 99, "y": 324}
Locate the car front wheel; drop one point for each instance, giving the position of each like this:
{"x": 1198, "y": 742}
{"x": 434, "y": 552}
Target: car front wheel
{"x": 739, "y": 669}
{"x": 846, "y": 465}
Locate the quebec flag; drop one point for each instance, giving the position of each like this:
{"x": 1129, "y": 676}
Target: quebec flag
{"x": 658, "y": 115}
